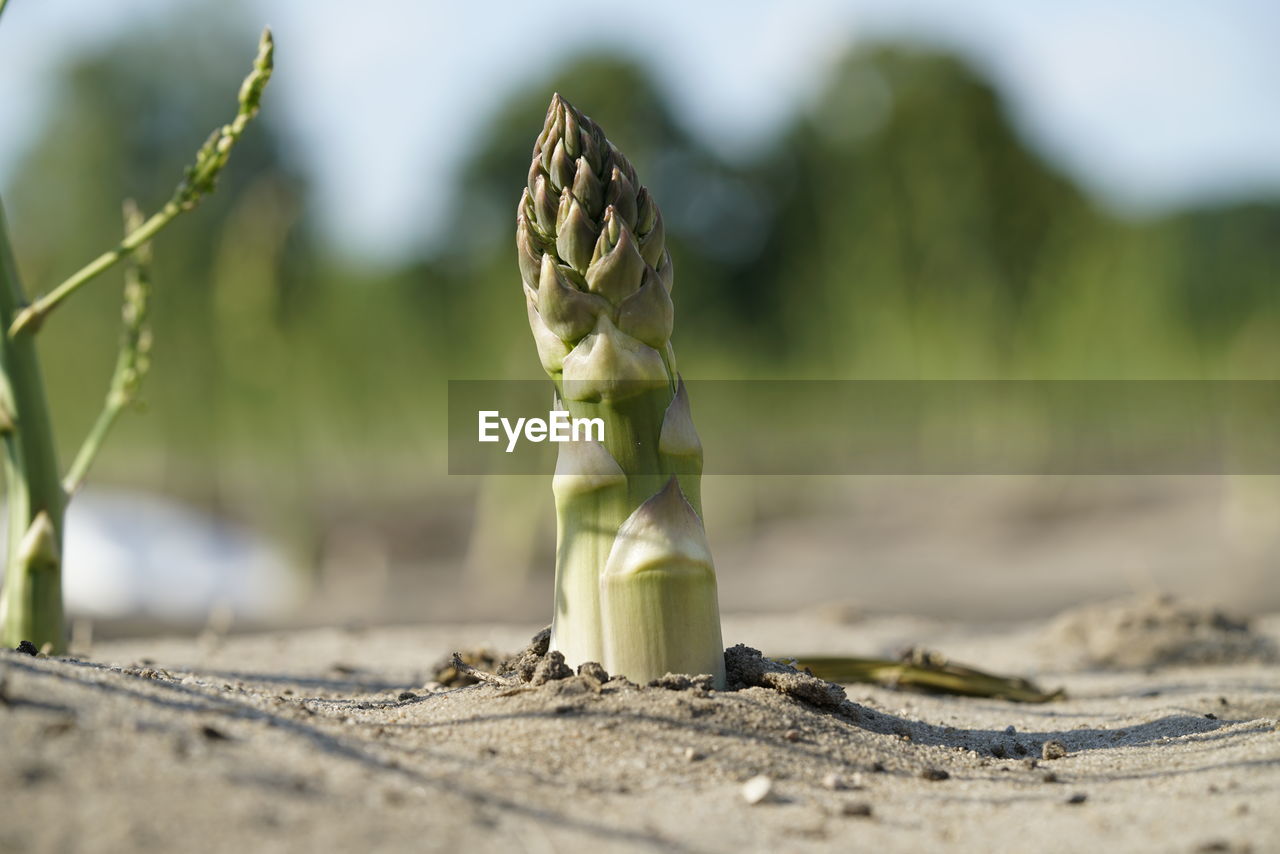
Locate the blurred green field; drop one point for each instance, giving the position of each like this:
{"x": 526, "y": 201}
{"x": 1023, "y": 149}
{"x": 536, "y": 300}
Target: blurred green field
{"x": 900, "y": 229}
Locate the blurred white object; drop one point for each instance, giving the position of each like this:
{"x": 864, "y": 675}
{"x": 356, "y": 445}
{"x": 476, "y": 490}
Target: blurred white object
{"x": 131, "y": 554}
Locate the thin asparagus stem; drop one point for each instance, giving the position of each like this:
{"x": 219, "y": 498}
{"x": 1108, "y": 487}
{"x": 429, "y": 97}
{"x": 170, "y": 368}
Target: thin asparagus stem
{"x": 133, "y": 360}
{"x": 198, "y": 181}
{"x": 31, "y": 600}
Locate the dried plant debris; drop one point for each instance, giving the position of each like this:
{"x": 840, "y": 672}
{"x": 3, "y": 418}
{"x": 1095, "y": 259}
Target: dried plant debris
{"x": 1153, "y": 632}
{"x": 929, "y": 672}
{"x": 485, "y": 660}
{"x": 449, "y": 675}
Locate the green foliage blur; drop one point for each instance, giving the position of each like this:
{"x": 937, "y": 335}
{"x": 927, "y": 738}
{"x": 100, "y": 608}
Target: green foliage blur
{"x": 900, "y": 228}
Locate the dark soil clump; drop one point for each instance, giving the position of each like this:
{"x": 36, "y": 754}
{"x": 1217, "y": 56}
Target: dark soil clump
{"x": 748, "y": 668}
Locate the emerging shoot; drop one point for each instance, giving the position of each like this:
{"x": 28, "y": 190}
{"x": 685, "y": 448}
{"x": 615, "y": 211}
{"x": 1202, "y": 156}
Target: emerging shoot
{"x": 635, "y": 587}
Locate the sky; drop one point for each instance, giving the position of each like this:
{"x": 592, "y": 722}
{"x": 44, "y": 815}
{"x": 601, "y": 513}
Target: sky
{"x": 1151, "y": 105}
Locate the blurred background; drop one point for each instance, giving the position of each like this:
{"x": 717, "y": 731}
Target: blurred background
{"x": 867, "y": 189}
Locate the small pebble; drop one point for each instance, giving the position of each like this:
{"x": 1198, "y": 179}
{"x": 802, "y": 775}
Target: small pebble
{"x": 837, "y": 782}
{"x": 1050, "y": 777}
{"x": 792, "y": 735}
{"x": 856, "y": 809}
{"x": 1010, "y": 730}
{"x": 1053, "y": 750}
{"x": 1211, "y": 716}
{"x": 757, "y": 790}
{"x": 934, "y": 774}
{"x": 407, "y": 695}
{"x": 691, "y": 755}
{"x": 1078, "y": 798}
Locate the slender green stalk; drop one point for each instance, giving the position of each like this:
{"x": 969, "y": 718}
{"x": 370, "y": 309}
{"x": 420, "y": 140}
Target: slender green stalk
{"x": 132, "y": 362}
{"x": 198, "y": 181}
{"x": 3, "y": 3}
{"x": 31, "y": 600}
{"x": 597, "y": 282}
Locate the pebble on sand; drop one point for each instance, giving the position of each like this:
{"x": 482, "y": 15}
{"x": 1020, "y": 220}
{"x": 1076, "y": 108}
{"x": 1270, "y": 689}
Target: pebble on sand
{"x": 1053, "y": 750}
{"x": 838, "y": 782}
{"x": 757, "y": 790}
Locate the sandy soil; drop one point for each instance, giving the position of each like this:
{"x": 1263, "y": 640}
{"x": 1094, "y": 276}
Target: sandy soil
{"x": 330, "y": 740}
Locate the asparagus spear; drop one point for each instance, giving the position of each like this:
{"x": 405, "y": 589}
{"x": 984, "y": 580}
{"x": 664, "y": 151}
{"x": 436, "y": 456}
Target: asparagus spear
{"x": 635, "y": 584}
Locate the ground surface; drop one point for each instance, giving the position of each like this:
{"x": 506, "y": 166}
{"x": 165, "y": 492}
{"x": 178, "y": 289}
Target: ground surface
{"x": 328, "y": 740}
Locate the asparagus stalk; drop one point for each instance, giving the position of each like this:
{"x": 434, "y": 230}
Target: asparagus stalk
{"x": 635, "y": 585}
{"x": 31, "y": 599}
{"x": 132, "y": 360}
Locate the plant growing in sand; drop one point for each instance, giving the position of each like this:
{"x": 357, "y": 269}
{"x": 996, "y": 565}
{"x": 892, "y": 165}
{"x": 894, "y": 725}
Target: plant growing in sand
{"x": 635, "y": 585}
{"x": 31, "y": 600}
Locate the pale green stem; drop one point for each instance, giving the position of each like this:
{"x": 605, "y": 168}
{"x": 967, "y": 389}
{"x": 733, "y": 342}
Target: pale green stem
{"x": 31, "y": 601}
{"x": 131, "y": 361}
{"x": 34, "y": 314}
{"x": 92, "y": 445}
{"x": 131, "y": 366}
{"x": 587, "y": 523}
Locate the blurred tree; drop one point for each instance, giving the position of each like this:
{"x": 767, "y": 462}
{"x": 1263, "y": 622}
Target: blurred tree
{"x": 914, "y": 220}
{"x": 1227, "y": 267}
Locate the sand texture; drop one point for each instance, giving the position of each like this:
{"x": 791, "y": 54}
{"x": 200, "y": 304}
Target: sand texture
{"x": 334, "y": 740}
